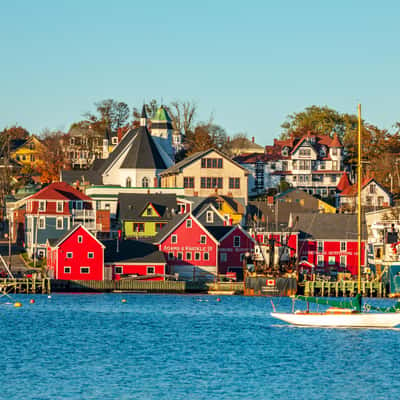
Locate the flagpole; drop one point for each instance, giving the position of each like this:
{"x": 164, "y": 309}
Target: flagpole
{"x": 359, "y": 199}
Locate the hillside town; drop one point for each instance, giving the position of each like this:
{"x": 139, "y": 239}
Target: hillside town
{"x": 155, "y": 200}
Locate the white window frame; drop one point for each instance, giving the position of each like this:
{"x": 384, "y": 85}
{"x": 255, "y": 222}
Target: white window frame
{"x": 62, "y": 223}
{"x": 65, "y": 270}
{"x": 320, "y": 260}
{"x": 197, "y": 256}
{"x": 234, "y": 240}
{"x": 42, "y": 219}
{"x": 42, "y": 205}
{"x": 343, "y": 244}
{"x": 174, "y": 239}
{"x": 188, "y": 223}
{"x": 179, "y": 255}
{"x": 171, "y": 255}
{"x": 60, "y": 203}
{"x": 121, "y": 269}
{"x": 80, "y": 239}
{"x": 343, "y": 264}
{"x": 70, "y": 254}
{"x": 320, "y": 242}
{"x": 206, "y": 256}
{"x": 188, "y": 253}
{"x": 90, "y": 255}
{"x": 331, "y": 260}
{"x": 210, "y": 217}
{"x": 147, "y": 270}
{"x": 85, "y": 273}
{"x": 203, "y": 239}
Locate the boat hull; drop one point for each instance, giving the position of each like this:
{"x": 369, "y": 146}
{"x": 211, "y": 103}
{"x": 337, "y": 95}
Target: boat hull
{"x": 355, "y": 320}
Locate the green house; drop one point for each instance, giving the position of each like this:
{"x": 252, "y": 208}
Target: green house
{"x": 144, "y": 215}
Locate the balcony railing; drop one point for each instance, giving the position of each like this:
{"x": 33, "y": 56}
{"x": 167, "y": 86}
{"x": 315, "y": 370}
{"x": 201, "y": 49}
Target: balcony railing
{"x": 83, "y": 214}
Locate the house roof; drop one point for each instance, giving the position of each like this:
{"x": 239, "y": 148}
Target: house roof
{"x": 352, "y": 190}
{"x": 219, "y": 231}
{"x": 170, "y": 227}
{"x": 60, "y": 191}
{"x": 214, "y": 200}
{"x": 132, "y": 205}
{"x": 344, "y": 182}
{"x": 132, "y": 251}
{"x": 174, "y": 169}
{"x": 56, "y": 242}
{"x": 335, "y": 141}
{"x": 327, "y": 226}
{"x": 143, "y": 153}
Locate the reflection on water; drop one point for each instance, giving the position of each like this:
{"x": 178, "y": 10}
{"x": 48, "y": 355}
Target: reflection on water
{"x": 185, "y": 347}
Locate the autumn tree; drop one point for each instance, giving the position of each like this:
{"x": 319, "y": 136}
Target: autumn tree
{"x": 150, "y": 107}
{"x": 198, "y": 140}
{"x": 318, "y": 121}
{"x": 51, "y": 165}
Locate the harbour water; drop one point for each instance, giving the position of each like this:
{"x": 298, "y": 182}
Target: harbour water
{"x": 77, "y": 346}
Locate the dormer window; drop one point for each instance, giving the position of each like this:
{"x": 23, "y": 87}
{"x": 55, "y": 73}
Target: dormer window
{"x": 114, "y": 140}
{"x": 322, "y": 151}
{"x": 42, "y": 205}
{"x": 285, "y": 151}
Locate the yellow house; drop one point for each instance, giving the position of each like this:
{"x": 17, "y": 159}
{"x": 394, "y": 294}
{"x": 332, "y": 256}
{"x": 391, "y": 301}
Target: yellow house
{"x": 30, "y": 153}
{"x": 208, "y": 173}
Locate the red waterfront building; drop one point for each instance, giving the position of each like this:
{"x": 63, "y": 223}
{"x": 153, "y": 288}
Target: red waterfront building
{"x": 195, "y": 251}
{"x": 77, "y": 255}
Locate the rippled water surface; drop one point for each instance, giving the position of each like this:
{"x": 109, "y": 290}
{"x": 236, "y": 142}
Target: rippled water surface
{"x": 185, "y": 347}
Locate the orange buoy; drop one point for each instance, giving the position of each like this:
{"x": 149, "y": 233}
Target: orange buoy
{"x": 32, "y": 301}
{"x": 123, "y": 301}
{"x": 17, "y": 304}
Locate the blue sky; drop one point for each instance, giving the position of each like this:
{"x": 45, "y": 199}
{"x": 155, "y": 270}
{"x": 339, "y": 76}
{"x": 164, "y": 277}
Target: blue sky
{"x": 250, "y": 64}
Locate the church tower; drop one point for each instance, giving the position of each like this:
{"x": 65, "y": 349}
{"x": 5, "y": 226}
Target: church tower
{"x": 162, "y": 131}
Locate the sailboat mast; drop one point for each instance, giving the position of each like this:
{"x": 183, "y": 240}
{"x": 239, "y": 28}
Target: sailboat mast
{"x": 359, "y": 198}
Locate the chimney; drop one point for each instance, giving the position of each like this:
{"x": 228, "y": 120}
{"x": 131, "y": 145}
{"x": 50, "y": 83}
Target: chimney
{"x": 252, "y": 139}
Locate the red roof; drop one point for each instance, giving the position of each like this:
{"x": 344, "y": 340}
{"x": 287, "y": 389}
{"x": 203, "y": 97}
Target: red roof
{"x": 352, "y": 190}
{"x": 335, "y": 141}
{"x": 344, "y": 182}
{"x": 60, "y": 191}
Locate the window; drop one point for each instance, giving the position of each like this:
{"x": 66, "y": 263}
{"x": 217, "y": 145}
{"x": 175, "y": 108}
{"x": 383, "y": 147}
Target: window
{"x": 128, "y": 182}
{"x": 118, "y": 270}
{"x": 197, "y": 256}
{"x": 320, "y": 260}
{"x": 320, "y": 247}
{"x": 188, "y": 223}
{"x": 69, "y": 254}
{"x": 114, "y": 140}
{"x": 138, "y": 227}
{"x": 180, "y": 255}
{"x": 305, "y": 152}
{"x": 211, "y": 163}
{"x": 145, "y": 182}
{"x": 67, "y": 270}
{"x": 159, "y": 226}
{"x": 331, "y": 260}
{"x": 236, "y": 241}
{"x": 188, "y": 256}
{"x": 151, "y": 270}
{"x": 60, "y": 223}
{"x": 203, "y": 239}
{"x": 149, "y": 211}
{"x": 174, "y": 239}
{"x": 335, "y": 165}
{"x": 107, "y": 206}
{"x": 60, "y": 205}
{"x": 343, "y": 261}
{"x": 334, "y": 151}
{"x": 234, "y": 183}
{"x": 80, "y": 239}
{"x": 209, "y": 217}
{"x": 368, "y": 200}
{"x": 206, "y": 256}
{"x": 85, "y": 270}
{"x": 90, "y": 254}
{"x": 285, "y": 152}
{"x": 188, "y": 182}
{"x": 42, "y": 223}
{"x": 343, "y": 246}
{"x": 380, "y": 200}
{"x": 223, "y": 257}
{"x": 372, "y": 188}
{"x": 333, "y": 178}
{"x": 170, "y": 256}
{"x": 211, "y": 183}
{"x": 42, "y": 205}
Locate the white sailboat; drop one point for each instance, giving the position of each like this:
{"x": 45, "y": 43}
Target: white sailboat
{"x": 346, "y": 314}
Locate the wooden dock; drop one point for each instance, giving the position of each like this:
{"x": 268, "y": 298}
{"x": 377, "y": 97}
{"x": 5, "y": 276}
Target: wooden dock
{"x": 25, "y": 285}
{"x": 343, "y": 288}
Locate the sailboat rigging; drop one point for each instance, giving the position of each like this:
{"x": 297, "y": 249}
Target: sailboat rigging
{"x": 350, "y": 313}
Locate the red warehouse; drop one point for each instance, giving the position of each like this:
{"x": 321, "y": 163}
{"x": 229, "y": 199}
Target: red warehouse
{"x": 190, "y": 249}
{"x": 329, "y": 241}
{"x": 77, "y": 255}
{"x": 134, "y": 258}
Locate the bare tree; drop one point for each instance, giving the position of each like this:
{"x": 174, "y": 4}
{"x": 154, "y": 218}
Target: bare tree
{"x": 183, "y": 114}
